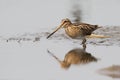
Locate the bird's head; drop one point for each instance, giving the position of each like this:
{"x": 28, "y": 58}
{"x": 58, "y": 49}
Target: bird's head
{"x": 64, "y": 24}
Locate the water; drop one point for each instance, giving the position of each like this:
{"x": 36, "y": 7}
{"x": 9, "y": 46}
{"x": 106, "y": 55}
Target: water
{"x": 29, "y": 60}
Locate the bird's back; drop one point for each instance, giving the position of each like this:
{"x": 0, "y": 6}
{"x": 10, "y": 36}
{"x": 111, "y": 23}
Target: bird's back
{"x": 87, "y": 29}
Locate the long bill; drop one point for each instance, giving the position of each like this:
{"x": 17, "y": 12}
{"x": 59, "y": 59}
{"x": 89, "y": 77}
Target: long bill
{"x": 54, "y": 56}
{"x": 55, "y": 30}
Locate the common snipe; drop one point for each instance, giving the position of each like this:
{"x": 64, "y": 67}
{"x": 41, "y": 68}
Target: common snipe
{"x": 75, "y": 56}
{"x": 75, "y": 30}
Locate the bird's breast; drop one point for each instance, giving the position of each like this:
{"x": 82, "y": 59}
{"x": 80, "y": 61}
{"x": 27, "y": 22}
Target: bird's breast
{"x": 73, "y": 32}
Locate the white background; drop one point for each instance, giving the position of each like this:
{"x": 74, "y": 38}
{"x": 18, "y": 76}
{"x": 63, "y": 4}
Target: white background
{"x": 17, "y": 16}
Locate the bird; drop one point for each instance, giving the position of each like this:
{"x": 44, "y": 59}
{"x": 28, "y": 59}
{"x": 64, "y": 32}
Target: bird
{"x": 75, "y": 56}
{"x": 76, "y": 30}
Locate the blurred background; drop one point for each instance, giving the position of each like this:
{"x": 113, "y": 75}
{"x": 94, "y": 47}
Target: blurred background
{"x": 18, "y": 16}
{"x": 24, "y": 25}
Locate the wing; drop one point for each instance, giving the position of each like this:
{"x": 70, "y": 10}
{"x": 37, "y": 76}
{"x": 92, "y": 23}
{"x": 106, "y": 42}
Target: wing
{"x": 87, "y": 29}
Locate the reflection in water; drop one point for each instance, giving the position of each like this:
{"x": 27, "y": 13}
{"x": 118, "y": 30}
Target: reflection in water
{"x": 75, "y": 56}
{"x": 112, "y": 71}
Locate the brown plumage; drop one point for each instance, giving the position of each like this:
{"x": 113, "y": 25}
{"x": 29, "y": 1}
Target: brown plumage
{"x": 80, "y": 30}
{"x": 75, "y": 56}
{"x": 75, "y": 30}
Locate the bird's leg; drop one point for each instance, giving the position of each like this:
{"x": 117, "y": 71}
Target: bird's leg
{"x": 84, "y": 43}
{"x": 84, "y": 47}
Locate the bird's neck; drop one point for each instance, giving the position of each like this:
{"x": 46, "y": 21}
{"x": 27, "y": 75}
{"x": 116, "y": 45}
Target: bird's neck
{"x": 68, "y": 25}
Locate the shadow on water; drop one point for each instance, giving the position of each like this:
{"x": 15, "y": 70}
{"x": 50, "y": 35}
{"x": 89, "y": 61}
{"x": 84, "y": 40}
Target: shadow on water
{"x": 112, "y": 71}
{"x": 75, "y": 57}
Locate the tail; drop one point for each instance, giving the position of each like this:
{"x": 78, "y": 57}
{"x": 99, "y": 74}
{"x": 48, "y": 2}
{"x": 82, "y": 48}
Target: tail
{"x": 97, "y": 36}
{"x": 54, "y": 56}
{"x": 98, "y": 26}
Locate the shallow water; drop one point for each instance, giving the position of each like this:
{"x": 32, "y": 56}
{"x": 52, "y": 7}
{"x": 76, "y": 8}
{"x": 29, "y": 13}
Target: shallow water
{"x": 23, "y": 59}
{"x": 29, "y": 60}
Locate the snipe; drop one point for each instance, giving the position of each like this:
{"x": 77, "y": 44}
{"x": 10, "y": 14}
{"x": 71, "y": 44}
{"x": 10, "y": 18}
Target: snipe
{"x": 75, "y": 30}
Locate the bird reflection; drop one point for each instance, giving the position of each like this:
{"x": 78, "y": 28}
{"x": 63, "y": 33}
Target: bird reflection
{"x": 75, "y": 56}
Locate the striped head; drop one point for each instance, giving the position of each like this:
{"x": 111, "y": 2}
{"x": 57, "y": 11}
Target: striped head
{"x": 65, "y": 23}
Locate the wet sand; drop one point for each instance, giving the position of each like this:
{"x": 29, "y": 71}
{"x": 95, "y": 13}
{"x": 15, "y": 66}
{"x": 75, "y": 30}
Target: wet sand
{"x": 112, "y": 32}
